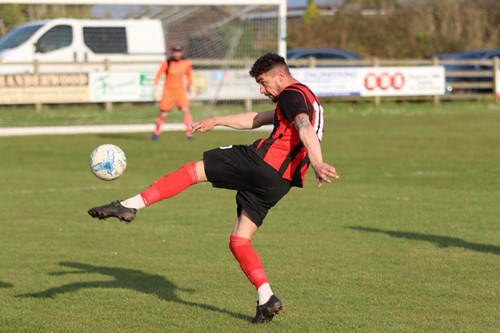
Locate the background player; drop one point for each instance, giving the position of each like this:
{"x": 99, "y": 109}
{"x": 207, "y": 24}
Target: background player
{"x": 178, "y": 72}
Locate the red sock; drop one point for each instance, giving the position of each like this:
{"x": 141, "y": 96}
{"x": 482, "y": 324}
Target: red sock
{"x": 171, "y": 184}
{"x": 159, "y": 121}
{"x": 249, "y": 260}
{"x": 188, "y": 120}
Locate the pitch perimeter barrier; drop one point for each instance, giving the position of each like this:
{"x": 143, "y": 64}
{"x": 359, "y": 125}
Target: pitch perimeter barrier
{"x": 351, "y": 79}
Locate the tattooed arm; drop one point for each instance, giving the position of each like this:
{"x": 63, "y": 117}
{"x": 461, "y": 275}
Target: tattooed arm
{"x": 309, "y": 139}
{"x": 248, "y": 120}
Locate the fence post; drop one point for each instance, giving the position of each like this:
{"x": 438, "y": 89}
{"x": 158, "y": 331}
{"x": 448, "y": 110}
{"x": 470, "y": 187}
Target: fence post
{"x": 36, "y": 70}
{"x": 437, "y": 98}
{"x": 376, "y": 99}
{"x": 312, "y": 61}
{"x": 108, "y": 106}
{"x": 496, "y": 78}
{"x": 248, "y": 102}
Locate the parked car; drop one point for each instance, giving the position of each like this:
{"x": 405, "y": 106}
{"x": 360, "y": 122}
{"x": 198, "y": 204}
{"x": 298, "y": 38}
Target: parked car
{"x": 468, "y": 55}
{"x": 322, "y": 54}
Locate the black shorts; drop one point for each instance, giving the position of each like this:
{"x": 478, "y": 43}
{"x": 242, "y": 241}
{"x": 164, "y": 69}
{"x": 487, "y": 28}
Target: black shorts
{"x": 239, "y": 168}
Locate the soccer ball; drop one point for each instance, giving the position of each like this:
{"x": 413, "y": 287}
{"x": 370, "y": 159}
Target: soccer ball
{"x": 107, "y": 162}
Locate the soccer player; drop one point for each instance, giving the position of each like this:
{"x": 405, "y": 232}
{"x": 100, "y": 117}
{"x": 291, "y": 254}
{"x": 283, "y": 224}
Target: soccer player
{"x": 261, "y": 173}
{"x": 178, "y": 72}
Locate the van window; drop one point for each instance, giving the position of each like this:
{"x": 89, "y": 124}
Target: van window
{"x": 105, "y": 39}
{"x": 56, "y": 38}
{"x": 18, "y": 36}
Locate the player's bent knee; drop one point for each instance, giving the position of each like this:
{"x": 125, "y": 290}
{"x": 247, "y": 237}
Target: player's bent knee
{"x": 191, "y": 169}
{"x": 236, "y": 242}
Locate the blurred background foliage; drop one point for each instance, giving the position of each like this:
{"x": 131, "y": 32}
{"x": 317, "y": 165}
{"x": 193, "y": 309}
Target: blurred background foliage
{"x": 391, "y": 29}
{"x": 402, "y": 29}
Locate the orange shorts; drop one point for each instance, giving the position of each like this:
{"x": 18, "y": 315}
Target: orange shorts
{"x": 175, "y": 97}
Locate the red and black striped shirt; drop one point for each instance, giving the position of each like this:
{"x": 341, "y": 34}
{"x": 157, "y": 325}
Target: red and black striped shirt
{"x": 283, "y": 149}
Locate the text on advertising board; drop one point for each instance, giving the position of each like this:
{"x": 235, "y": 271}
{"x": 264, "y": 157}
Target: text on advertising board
{"x": 384, "y": 81}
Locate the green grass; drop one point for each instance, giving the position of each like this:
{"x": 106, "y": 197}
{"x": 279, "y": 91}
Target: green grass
{"x": 94, "y": 114}
{"x": 406, "y": 241}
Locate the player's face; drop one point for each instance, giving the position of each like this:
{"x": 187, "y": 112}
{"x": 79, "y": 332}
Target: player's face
{"x": 270, "y": 85}
{"x": 177, "y": 54}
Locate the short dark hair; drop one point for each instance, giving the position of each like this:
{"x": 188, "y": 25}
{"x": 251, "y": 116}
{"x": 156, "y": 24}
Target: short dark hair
{"x": 267, "y": 62}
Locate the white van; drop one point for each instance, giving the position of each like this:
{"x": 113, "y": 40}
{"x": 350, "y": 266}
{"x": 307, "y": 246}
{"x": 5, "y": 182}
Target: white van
{"x": 81, "y": 43}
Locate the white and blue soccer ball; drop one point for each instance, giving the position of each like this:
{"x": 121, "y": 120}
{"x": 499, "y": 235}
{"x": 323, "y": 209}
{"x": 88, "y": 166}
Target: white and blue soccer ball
{"x": 108, "y": 162}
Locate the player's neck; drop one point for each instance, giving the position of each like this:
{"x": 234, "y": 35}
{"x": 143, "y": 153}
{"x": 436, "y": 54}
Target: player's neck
{"x": 291, "y": 81}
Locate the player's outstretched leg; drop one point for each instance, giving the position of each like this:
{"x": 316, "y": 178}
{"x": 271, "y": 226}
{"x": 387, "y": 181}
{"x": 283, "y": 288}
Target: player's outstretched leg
{"x": 163, "y": 188}
{"x": 114, "y": 209}
{"x": 267, "y": 311}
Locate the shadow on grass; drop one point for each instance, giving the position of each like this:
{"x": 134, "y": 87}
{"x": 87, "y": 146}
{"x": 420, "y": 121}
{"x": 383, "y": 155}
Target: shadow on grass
{"x": 125, "y": 278}
{"x": 441, "y": 241}
{"x": 6, "y": 285}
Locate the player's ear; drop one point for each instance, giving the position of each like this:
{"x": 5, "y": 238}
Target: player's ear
{"x": 280, "y": 73}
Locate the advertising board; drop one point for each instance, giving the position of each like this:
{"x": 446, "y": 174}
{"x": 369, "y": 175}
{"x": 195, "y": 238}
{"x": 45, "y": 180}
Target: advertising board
{"x": 221, "y": 85}
{"x": 44, "y": 88}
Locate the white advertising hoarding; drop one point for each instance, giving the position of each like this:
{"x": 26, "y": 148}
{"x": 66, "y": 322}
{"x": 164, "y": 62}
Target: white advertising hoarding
{"x": 330, "y": 81}
{"x": 403, "y": 81}
{"x": 120, "y": 86}
{"x": 374, "y": 81}
{"x": 238, "y": 85}
{"x": 225, "y": 85}
{"x": 209, "y": 86}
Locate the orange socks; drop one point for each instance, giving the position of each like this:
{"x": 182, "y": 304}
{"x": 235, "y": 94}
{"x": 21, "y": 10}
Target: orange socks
{"x": 171, "y": 184}
{"x": 249, "y": 260}
{"x": 159, "y": 121}
{"x": 188, "y": 120}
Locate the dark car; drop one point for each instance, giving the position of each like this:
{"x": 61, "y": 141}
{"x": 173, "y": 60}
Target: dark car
{"x": 469, "y": 78}
{"x": 321, "y": 54}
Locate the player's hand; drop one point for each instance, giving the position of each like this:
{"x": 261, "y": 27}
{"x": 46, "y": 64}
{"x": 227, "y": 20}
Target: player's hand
{"x": 203, "y": 125}
{"x": 191, "y": 92}
{"x": 324, "y": 172}
{"x": 156, "y": 95}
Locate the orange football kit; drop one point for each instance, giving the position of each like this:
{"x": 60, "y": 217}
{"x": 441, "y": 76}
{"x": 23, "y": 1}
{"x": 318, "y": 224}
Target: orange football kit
{"x": 178, "y": 75}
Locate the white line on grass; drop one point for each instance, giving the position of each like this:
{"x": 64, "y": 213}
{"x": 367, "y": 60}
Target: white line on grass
{"x": 65, "y": 130}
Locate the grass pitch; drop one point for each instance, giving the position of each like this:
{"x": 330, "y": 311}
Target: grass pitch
{"x": 407, "y": 240}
